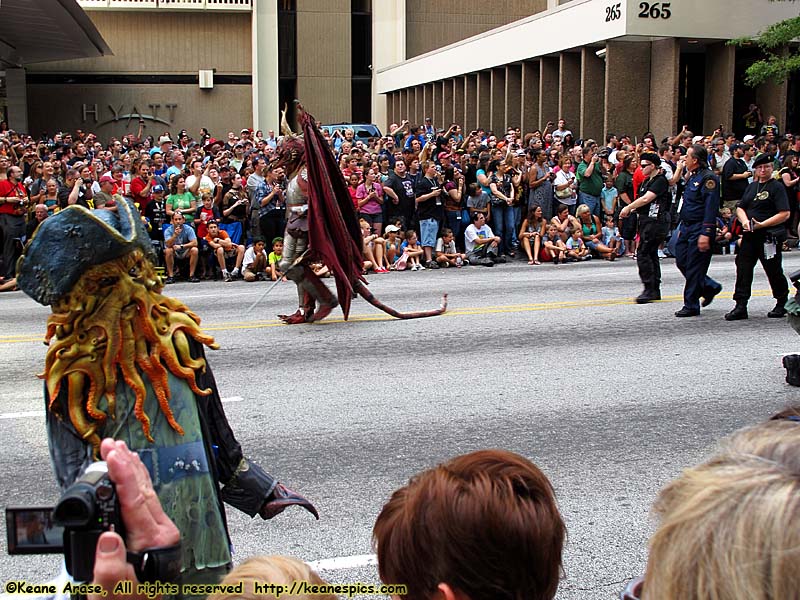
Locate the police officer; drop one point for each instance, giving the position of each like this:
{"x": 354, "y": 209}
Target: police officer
{"x": 652, "y": 204}
{"x": 696, "y": 232}
{"x": 762, "y": 211}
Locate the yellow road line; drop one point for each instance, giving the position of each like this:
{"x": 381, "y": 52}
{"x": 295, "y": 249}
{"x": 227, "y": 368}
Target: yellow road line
{"x": 484, "y": 310}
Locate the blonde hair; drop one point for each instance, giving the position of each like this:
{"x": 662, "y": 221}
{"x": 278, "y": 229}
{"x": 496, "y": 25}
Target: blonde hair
{"x": 729, "y": 526}
{"x": 276, "y": 569}
{"x": 583, "y": 208}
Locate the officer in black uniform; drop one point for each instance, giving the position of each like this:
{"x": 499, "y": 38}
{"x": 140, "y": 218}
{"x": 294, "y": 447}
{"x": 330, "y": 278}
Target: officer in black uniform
{"x": 691, "y": 246}
{"x": 652, "y": 205}
{"x": 762, "y": 211}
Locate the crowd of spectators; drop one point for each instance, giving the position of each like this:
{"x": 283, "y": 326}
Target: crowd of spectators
{"x": 427, "y": 197}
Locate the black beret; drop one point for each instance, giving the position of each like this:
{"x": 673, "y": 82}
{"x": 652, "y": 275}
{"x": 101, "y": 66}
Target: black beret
{"x": 651, "y": 157}
{"x": 763, "y": 159}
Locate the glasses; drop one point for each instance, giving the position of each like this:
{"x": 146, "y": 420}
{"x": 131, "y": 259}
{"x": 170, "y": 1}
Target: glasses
{"x": 645, "y": 164}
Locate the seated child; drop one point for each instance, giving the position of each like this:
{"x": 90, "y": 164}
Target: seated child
{"x": 373, "y": 249}
{"x": 274, "y": 258}
{"x": 724, "y": 236}
{"x": 255, "y": 263}
{"x": 224, "y": 250}
{"x": 393, "y": 251}
{"x": 411, "y": 253}
{"x": 610, "y": 233}
{"x": 446, "y": 254}
{"x": 576, "y": 249}
{"x": 553, "y": 248}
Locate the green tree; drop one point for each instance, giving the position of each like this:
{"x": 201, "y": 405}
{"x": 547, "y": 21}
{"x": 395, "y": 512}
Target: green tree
{"x": 780, "y": 60}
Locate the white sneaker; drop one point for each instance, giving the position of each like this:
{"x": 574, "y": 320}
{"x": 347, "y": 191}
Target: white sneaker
{"x": 420, "y": 267}
{"x": 459, "y": 262}
{"x": 661, "y": 253}
{"x": 414, "y": 268}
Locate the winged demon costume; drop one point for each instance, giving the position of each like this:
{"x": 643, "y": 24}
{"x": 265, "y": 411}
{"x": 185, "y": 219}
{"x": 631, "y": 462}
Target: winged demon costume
{"x": 126, "y": 362}
{"x": 322, "y": 225}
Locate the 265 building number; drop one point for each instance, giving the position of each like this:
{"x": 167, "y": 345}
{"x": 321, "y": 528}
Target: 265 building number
{"x": 613, "y": 12}
{"x": 654, "y": 10}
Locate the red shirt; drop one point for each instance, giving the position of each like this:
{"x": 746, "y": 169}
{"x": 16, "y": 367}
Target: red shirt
{"x": 638, "y": 178}
{"x": 9, "y": 190}
{"x": 137, "y": 185}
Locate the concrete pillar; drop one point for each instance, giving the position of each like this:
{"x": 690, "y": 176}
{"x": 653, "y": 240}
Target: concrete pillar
{"x": 548, "y": 91}
{"x": 513, "y": 95}
{"x": 459, "y": 111}
{"x": 448, "y": 111}
{"x": 485, "y": 99}
{"x": 771, "y": 97}
{"x": 529, "y": 118}
{"x": 720, "y": 73}
{"x": 324, "y": 70}
{"x": 435, "y": 109}
{"x": 265, "y": 65}
{"x": 427, "y": 101}
{"x": 17, "y": 99}
{"x": 404, "y": 112}
{"x": 593, "y": 96}
{"x": 397, "y": 112}
{"x": 627, "y": 92}
{"x": 388, "y": 48}
{"x": 471, "y": 102}
{"x": 419, "y": 104}
{"x": 665, "y": 60}
{"x": 497, "y": 112}
{"x": 569, "y": 90}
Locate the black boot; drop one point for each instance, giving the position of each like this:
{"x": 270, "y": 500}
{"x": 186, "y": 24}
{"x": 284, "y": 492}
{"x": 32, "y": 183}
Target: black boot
{"x": 791, "y": 363}
{"x": 646, "y": 297}
{"x": 779, "y": 310}
{"x": 738, "y": 313}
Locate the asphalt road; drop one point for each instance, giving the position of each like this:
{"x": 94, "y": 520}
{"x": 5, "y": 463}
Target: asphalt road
{"x": 609, "y": 398}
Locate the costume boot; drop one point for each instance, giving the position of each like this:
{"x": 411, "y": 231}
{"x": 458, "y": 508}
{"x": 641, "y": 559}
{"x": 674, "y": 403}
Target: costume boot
{"x": 320, "y": 293}
{"x": 281, "y": 499}
{"x": 738, "y": 313}
{"x": 779, "y": 310}
{"x": 295, "y": 318}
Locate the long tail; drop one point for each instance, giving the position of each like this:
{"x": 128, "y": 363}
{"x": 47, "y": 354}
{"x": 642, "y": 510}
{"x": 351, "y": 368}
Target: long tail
{"x": 362, "y": 290}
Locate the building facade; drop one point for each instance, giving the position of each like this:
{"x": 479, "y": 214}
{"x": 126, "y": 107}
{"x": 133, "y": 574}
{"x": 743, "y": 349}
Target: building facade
{"x": 218, "y": 64}
{"x": 622, "y": 65}
{"x": 605, "y": 66}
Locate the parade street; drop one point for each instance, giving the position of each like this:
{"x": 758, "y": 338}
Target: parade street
{"x": 611, "y": 399}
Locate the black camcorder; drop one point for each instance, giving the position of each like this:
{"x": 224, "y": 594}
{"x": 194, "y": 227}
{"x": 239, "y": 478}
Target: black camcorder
{"x": 87, "y": 508}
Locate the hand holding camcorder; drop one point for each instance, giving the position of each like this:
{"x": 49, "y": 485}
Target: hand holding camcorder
{"x": 110, "y": 514}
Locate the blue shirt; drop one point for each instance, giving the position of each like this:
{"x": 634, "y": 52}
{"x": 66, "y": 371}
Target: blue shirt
{"x": 701, "y": 201}
{"x": 186, "y": 236}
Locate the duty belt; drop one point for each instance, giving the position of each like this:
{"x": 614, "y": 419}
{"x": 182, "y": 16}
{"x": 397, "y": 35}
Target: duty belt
{"x": 176, "y": 462}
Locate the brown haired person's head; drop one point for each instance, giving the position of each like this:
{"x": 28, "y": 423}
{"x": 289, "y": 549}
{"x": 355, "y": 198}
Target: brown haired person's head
{"x": 483, "y": 526}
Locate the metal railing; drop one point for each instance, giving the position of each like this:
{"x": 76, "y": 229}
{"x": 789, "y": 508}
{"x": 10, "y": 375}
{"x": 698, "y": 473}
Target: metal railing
{"x": 224, "y": 5}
